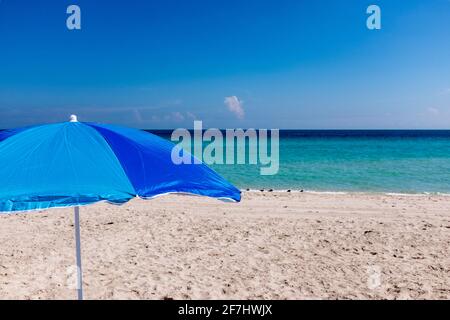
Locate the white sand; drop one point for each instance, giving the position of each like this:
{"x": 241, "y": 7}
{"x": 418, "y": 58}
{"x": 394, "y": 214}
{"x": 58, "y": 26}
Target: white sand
{"x": 269, "y": 246}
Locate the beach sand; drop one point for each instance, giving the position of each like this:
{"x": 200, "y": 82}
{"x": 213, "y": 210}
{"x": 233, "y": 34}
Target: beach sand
{"x": 272, "y": 245}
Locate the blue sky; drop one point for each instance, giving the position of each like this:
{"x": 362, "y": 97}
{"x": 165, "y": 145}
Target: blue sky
{"x": 253, "y": 63}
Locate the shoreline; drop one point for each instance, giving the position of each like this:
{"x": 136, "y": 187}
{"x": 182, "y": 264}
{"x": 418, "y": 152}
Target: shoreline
{"x": 386, "y": 193}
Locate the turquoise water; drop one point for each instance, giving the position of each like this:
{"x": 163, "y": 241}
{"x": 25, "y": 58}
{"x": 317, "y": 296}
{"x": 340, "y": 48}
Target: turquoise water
{"x": 363, "y": 161}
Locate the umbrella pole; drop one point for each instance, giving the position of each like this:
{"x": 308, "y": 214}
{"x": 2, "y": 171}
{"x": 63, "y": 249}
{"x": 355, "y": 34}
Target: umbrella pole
{"x": 78, "y": 245}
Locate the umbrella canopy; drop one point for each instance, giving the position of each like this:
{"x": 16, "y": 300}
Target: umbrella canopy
{"x": 76, "y": 163}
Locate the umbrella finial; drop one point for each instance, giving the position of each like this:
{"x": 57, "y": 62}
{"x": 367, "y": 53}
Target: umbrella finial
{"x": 73, "y": 118}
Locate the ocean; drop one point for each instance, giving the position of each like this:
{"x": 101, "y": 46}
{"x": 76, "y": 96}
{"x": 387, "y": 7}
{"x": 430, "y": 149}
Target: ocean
{"x": 386, "y": 161}
{"x": 382, "y": 161}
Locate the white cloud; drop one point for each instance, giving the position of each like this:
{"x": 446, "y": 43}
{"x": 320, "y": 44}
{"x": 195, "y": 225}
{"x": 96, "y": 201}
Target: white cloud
{"x": 175, "y": 102}
{"x": 175, "y": 117}
{"x": 154, "y": 118}
{"x": 433, "y": 111}
{"x": 191, "y": 116}
{"x": 444, "y": 92}
{"x": 137, "y": 115}
{"x": 235, "y": 106}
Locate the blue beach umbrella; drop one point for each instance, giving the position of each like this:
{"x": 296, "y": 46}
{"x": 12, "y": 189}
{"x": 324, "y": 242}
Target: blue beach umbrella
{"x": 75, "y": 163}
